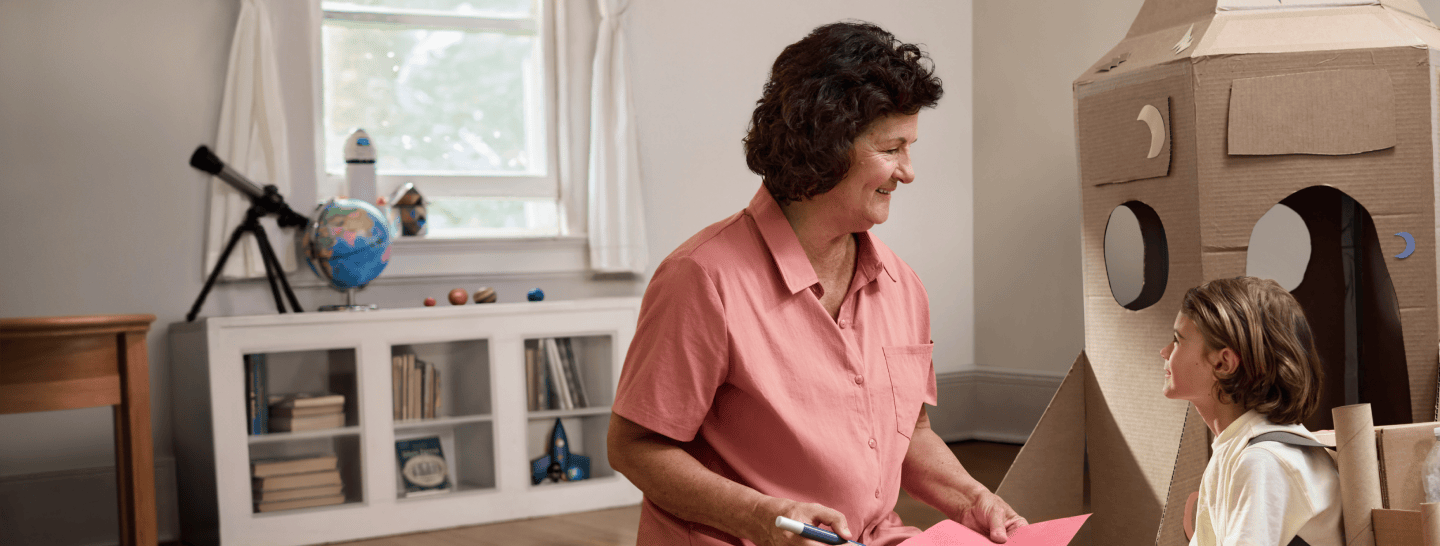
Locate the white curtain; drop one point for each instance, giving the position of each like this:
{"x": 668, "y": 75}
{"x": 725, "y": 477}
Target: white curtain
{"x": 616, "y": 216}
{"x": 252, "y": 141}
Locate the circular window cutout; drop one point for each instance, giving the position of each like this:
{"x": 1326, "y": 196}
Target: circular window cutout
{"x": 1137, "y": 259}
{"x": 1279, "y": 247}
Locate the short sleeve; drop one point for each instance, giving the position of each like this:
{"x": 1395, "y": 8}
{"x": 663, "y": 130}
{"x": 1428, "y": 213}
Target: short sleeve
{"x": 1267, "y": 502}
{"x": 679, "y": 356}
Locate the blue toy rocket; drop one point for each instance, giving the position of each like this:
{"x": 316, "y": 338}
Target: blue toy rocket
{"x": 559, "y": 464}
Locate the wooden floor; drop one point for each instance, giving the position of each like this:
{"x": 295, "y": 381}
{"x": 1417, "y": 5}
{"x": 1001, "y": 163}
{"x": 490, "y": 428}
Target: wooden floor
{"x": 616, "y": 527}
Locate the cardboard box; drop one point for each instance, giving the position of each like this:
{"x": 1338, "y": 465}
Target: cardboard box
{"x": 1204, "y": 117}
{"x": 1397, "y": 528}
{"x": 1402, "y": 450}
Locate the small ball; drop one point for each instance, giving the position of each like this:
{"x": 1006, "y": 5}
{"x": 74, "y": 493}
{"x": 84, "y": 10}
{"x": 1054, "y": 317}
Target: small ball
{"x": 458, "y": 296}
{"x": 485, "y": 295}
{"x": 429, "y": 302}
{"x": 535, "y": 294}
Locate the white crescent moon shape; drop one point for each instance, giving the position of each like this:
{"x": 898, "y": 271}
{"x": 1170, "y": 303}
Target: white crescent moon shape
{"x": 1151, "y": 116}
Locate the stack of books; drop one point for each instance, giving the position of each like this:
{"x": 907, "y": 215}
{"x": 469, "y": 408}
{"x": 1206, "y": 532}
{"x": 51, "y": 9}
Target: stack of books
{"x": 296, "y": 482}
{"x": 554, "y": 376}
{"x": 416, "y": 388}
{"x": 297, "y": 412}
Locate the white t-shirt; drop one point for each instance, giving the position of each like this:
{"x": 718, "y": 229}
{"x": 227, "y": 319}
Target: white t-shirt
{"x": 1266, "y": 494}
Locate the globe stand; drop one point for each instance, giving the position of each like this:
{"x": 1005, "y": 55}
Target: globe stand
{"x": 350, "y": 304}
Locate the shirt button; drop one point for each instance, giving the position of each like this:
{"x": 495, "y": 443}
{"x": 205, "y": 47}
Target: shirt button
{"x": 859, "y": 380}
{"x": 877, "y": 493}
{"x": 872, "y": 443}
{"x": 844, "y": 323}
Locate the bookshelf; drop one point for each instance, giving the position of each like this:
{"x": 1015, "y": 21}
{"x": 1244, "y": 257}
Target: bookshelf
{"x": 481, "y": 415}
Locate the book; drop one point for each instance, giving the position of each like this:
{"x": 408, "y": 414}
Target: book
{"x": 557, "y": 374}
{"x": 312, "y": 422}
{"x": 572, "y": 370}
{"x": 292, "y": 481}
{"x": 298, "y": 503}
{"x": 298, "y": 493}
{"x": 397, "y": 385}
{"x": 422, "y": 465}
{"x": 531, "y": 385}
{"x": 255, "y": 376}
{"x": 263, "y": 468}
{"x": 283, "y": 411}
{"x": 414, "y": 388}
{"x": 303, "y": 400}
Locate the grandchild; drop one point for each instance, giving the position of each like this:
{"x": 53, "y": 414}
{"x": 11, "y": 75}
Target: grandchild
{"x": 1243, "y": 354}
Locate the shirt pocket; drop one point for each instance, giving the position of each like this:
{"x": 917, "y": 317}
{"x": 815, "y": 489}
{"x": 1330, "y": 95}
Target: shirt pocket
{"x": 909, "y": 367}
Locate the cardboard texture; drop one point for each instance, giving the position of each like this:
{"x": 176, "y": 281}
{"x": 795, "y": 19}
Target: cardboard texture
{"x": 1301, "y": 69}
{"x": 1056, "y": 453}
{"x": 1398, "y": 528}
{"x": 1402, "y": 450}
{"x": 1336, "y": 112}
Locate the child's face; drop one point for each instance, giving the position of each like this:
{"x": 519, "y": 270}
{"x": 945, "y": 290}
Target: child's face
{"x": 1189, "y": 365}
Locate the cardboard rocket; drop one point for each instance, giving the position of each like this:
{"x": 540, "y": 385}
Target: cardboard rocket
{"x": 1207, "y": 115}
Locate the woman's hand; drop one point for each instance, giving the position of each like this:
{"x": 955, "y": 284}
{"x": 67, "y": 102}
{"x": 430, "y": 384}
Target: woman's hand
{"x": 763, "y": 532}
{"x": 989, "y": 514}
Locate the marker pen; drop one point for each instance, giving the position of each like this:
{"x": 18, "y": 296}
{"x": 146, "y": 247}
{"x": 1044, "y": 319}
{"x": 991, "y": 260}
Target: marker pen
{"x": 811, "y": 532}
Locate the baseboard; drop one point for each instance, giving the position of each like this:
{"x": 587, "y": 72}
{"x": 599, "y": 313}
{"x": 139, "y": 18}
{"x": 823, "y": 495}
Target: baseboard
{"x": 78, "y": 507}
{"x": 991, "y": 404}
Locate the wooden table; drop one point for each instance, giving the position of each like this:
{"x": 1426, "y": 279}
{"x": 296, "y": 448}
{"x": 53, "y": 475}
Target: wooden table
{"x": 55, "y": 363}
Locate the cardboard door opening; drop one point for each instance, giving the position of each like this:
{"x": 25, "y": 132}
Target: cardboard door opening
{"x": 1351, "y": 305}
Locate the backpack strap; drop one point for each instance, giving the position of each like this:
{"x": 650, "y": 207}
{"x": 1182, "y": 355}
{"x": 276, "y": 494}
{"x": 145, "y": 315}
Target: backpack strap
{"x": 1290, "y": 438}
{"x": 1286, "y": 437}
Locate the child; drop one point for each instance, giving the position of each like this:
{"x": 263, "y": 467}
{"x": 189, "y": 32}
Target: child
{"x": 1243, "y": 354}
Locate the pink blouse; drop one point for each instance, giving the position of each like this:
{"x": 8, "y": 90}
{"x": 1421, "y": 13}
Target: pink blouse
{"x": 735, "y": 355}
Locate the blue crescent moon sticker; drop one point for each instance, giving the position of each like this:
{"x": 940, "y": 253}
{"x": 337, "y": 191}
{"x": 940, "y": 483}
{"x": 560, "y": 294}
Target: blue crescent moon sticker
{"x": 1409, "y": 244}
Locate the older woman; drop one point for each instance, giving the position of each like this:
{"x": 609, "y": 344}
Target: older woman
{"x": 782, "y": 357}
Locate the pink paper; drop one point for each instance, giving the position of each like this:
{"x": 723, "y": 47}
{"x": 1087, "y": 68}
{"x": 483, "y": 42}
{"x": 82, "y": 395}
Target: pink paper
{"x": 1056, "y": 532}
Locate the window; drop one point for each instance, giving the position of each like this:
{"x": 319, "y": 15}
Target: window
{"x": 455, "y": 97}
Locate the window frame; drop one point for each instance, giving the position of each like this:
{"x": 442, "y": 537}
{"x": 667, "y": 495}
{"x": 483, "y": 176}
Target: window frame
{"x": 543, "y": 135}
{"x": 440, "y": 258}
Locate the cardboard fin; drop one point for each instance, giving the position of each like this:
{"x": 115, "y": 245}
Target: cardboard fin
{"x": 1334, "y": 112}
{"x": 1046, "y": 480}
{"x": 1190, "y": 462}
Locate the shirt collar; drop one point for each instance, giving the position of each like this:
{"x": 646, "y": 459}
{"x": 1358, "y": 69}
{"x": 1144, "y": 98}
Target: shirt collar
{"x": 1240, "y": 428}
{"x": 790, "y": 257}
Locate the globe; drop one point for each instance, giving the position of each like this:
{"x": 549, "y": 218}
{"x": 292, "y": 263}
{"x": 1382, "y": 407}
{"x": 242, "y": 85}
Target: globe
{"x": 348, "y": 243}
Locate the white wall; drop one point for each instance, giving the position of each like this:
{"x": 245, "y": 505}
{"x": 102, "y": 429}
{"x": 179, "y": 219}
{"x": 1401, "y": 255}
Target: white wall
{"x": 101, "y": 104}
{"x": 1028, "y": 305}
{"x": 699, "y": 68}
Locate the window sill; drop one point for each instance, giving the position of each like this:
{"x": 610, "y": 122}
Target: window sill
{"x": 422, "y": 259}
{"x": 438, "y": 257}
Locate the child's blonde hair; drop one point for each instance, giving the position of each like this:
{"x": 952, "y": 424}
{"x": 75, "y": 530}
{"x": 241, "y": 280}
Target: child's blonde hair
{"x": 1279, "y": 371}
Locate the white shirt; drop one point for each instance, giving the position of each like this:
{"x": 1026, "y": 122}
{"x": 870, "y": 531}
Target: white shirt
{"x": 1266, "y": 494}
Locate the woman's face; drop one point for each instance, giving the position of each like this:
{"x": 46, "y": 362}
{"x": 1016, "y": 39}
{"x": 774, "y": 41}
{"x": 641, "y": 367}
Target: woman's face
{"x": 879, "y": 163}
{"x": 1189, "y": 365}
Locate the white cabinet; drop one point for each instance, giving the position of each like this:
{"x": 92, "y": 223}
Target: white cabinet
{"x": 479, "y": 351}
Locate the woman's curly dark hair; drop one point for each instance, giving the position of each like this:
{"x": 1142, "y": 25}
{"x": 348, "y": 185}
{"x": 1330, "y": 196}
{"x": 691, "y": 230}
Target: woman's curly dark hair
{"x": 824, "y": 91}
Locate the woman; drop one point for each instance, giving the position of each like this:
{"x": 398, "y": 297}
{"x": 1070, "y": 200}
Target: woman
{"x": 1243, "y": 354}
{"x": 782, "y": 355}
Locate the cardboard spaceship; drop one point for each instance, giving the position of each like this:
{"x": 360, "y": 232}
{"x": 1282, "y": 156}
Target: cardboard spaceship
{"x": 1207, "y": 115}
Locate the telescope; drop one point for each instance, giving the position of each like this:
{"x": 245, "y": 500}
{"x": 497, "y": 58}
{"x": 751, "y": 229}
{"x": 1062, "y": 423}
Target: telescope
{"x": 263, "y": 200}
